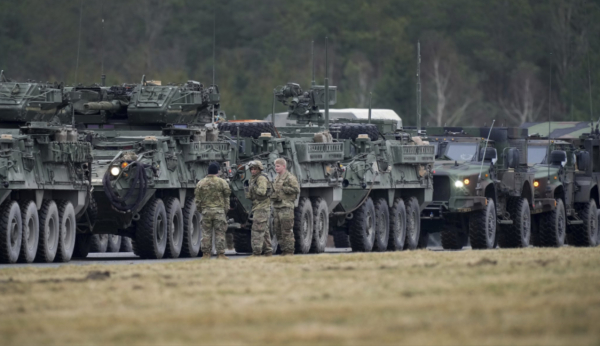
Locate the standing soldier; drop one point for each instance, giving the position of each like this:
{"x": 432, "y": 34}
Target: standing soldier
{"x": 258, "y": 192}
{"x": 285, "y": 192}
{"x": 212, "y": 200}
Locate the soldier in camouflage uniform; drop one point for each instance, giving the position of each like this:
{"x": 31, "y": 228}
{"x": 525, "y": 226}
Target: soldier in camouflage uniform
{"x": 285, "y": 192}
{"x": 212, "y": 200}
{"x": 261, "y": 208}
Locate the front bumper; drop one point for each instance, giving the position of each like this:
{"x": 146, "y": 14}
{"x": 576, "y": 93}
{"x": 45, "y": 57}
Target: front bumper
{"x": 436, "y": 210}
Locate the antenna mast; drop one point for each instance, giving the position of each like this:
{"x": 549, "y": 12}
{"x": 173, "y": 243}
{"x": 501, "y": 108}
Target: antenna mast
{"x": 103, "y": 76}
{"x": 78, "y": 42}
{"x": 590, "y": 92}
{"x": 214, "y": 49}
{"x": 312, "y": 53}
{"x": 549, "y": 111}
{"x": 418, "y": 88}
{"x": 326, "y": 87}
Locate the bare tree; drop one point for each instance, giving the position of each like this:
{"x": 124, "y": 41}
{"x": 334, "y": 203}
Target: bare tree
{"x": 526, "y": 96}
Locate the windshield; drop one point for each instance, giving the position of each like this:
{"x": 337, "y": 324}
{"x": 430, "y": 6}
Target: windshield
{"x": 536, "y": 154}
{"x": 461, "y": 151}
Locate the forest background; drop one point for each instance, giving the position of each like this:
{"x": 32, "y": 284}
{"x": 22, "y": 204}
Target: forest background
{"x": 509, "y": 60}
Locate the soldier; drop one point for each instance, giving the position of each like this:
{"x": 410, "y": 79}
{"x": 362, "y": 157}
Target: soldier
{"x": 258, "y": 192}
{"x": 212, "y": 200}
{"x": 284, "y": 195}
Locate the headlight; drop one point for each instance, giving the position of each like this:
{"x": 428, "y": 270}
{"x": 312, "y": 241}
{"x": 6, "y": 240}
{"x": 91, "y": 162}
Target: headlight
{"x": 115, "y": 170}
{"x": 466, "y": 181}
{"x": 536, "y": 183}
{"x": 459, "y": 183}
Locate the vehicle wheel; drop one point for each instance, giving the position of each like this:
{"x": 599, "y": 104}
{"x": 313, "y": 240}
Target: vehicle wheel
{"x": 320, "y": 225}
{"x": 68, "y": 231}
{"x": 453, "y": 238}
{"x": 482, "y": 227}
{"x": 242, "y": 241}
{"x": 174, "y": 227}
{"x": 114, "y": 243}
{"x": 31, "y": 231}
{"x": 151, "y": 233}
{"x": 519, "y": 233}
{"x": 553, "y": 226}
{"x": 397, "y": 234}
{"x": 11, "y": 232}
{"x": 413, "y": 224}
{"x": 586, "y": 234}
{"x": 192, "y": 229}
{"x": 341, "y": 239}
{"x": 303, "y": 226}
{"x": 83, "y": 243}
{"x": 49, "y": 232}
{"x": 382, "y": 225}
{"x": 126, "y": 244}
{"x": 362, "y": 227}
{"x": 99, "y": 243}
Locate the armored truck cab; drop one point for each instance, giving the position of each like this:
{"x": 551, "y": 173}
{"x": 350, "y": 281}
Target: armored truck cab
{"x": 44, "y": 174}
{"x": 152, "y": 143}
{"x": 481, "y": 193}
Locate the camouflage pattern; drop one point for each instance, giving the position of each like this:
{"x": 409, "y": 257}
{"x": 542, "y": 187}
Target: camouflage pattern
{"x": 283, "y": 223}
{"x": 257, "y": 192}
{"x": 285, "y": 191}
{"x": 212, "y": 192}
{"x": 213, "y": 221}
{"x": 559, "y": 129}
{"x": 261, "y": 237}
{"x": 261, "y": 207}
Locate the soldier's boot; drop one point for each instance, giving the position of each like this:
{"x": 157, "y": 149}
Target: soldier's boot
{"x": 222, "y": 256}
{"x": 254, "y": 256}
{"x": 205, "y": 256}
{"x": 269, "y": 254}
{"x": 287, "y": 254}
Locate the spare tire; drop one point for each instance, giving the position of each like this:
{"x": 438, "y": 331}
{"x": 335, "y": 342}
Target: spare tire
{"x": 252, "y": 129}
{"x": 351, "y": 131}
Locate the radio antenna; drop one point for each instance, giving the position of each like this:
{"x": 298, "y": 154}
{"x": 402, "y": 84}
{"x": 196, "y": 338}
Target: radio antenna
{"x": 312, "y": 53}
{"x": 549, "y": 119}
{"x": 214, "y": 49}
{"x": 78, "y": 42}
{"x": 326, "y": 88}
{"x": 590, "y": 92}
{"x": 418, "y": 88}
{"x": 103, "y": 76}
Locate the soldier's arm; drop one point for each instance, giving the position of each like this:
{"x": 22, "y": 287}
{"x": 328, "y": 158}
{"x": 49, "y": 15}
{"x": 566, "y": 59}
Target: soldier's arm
{"x": 226, "y": 194}
{"x": 290, "y": 186}
{"x": 261, "y": 187}
{"x": 197, "y": 198}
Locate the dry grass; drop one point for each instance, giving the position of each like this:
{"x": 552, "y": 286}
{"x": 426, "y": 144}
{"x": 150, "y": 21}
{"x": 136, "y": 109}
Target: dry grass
{"x": 530, "y": 296}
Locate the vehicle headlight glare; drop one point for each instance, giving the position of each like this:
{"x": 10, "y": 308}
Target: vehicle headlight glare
{"x": 536, "y": 183}
{"x": 459, "y": 183}
{"x": 466, "y": 181}
{"x": 115, "y": 170}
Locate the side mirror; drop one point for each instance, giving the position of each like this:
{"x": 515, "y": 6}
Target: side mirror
{"x": 583, "y": 160}
{"x": 558, "y": 157}
{"x": 512, "y": 158}
{"x": 490, "y": 155}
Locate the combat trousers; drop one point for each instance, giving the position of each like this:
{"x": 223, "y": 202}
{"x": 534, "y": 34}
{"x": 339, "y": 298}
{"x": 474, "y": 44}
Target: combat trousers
{"x": 213, "y": 220}
{"x": 261, "y": 237}
{"x": 283, "y": 222}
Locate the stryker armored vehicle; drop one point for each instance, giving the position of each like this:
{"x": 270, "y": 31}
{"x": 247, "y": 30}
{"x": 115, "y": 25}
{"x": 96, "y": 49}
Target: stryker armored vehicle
{"x": 482, "y": 193}
{"x": 44, "y": 172}
{"x": 151, "y": 144}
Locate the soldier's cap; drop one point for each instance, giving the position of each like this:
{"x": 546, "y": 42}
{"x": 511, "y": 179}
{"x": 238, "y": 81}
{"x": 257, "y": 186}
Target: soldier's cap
{"x": 256, "y": 164}
{"x": 214, "y": 168}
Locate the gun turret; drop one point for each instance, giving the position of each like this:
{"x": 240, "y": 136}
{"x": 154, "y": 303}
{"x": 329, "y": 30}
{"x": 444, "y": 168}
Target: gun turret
{"x": 31, "y": 101}
{"x": 303, "y": 106}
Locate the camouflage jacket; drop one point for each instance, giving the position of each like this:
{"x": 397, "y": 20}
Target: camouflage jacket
{"x": 212, "y": 192}
{"x": 285, "y": 190}
{"x": 257, "y": 192}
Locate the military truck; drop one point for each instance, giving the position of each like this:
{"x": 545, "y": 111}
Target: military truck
{"x": 483, "y": 191}
{"x": 44, "y": 172}
{"x": 313, "y": 156}
{"x": 151, "y": 144}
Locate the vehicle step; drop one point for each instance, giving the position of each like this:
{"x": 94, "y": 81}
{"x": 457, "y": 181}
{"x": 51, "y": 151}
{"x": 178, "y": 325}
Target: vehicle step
{"x": 574, "y": 222}
{"x": 505, "y": 222}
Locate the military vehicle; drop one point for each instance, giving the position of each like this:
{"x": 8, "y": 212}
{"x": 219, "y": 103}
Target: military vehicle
{"x": 483, "y": 190}
{"x": 45, "y": 174}
{"x": 151, "y": 144}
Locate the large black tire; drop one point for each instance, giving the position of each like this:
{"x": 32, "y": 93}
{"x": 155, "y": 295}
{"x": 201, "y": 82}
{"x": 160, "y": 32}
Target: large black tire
{"x": 248, "y": 129}
{"x": 382, "y": 225}
{"x": 519, "y": 233}
{"x": 482, "y": 227}
{"x": 413, "y": 224}
{"x": 11, "y": 232}
{"x": 320, "y": 225}
{"x": 341, "y": 239}
{"x": 303, "y": 226}
{"x": 397, "y": 234}
{"x": 31, "y": 231}
{"x": 49, "y": 232}
{"x": 83, "y": 243}
{"x": 362, "y": 227}
{"x": 114, "y": 243}
{"x": 151, "y": 232}
{"x": 68, "y": 231}
{"x": 242, "y": 241}
{"x": 351, "y": 131}
{"x": 126, "y": 244}
{"x": 174, "y": 227}
{"x": 586, "y": 234}
{"x": 453, "y": 238}
{"x": 553, "y": 227}
{"x": 99, "y": 243}
{"x": 192, "y": 229}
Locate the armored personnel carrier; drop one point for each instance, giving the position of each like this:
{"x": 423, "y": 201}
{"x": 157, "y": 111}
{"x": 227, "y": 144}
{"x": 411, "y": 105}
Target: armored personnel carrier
{"x": 44, "y": 172}
{"x": 151, "y": 144}
{"x": 483, "y": 190}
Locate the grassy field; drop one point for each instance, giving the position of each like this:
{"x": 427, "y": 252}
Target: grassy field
{"x": 529, "y": 296}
